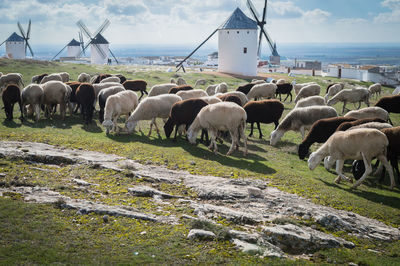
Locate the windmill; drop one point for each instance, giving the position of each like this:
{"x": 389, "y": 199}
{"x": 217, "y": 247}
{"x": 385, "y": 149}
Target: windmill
{"x": 99, "y": 46}
{"x": 74, "y": 48}
{"x": 16, "y": 45}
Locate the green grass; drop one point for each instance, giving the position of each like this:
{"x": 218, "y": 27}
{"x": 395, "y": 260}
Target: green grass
{"x": 279, "y": 165}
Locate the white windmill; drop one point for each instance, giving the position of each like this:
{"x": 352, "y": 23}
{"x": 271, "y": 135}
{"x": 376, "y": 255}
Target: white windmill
{"x": 16, "y": 45}
{"x": 74, "y": 48}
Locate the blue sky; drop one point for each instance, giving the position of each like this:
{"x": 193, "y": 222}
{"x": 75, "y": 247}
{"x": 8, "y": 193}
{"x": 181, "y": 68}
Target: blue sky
{"x": 169, "y": 22}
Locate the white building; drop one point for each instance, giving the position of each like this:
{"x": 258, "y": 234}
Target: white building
{"x": 97, "y": 57}
{"x": 73, "y": 48}
{"x": 15, "y": 47}
{"x": 237, "y": 45}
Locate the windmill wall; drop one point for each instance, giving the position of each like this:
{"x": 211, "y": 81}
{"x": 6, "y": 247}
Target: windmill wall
{"x": 237, "y": 51}
{"x": 95, "y": 57}
{"x": 15, "y": 50}
{"x": 73, "y": 51}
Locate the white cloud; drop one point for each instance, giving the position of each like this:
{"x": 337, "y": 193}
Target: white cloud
{"x": 316, "y": 16}
{"x": 389, "y": 17}
{"x": 351, "y": 21}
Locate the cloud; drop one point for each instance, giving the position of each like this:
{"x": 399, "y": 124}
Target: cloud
{"x": 285, "y": 10}
{"x": 351, "y": 21}
{"x": 389, "y": 17}
{"x": 316, "y": 16}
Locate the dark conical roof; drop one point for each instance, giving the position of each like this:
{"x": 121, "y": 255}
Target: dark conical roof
{"x": 15, "y": 38}
{"x": 238, "y": 20}
{"x": 73, "y": 43}
{"x": 99, "y": 39}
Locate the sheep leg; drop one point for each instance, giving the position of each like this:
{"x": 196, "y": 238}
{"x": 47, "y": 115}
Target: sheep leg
{"x": 302, "y": 131}
{"x": 368, "y": 170}
{"x": 141, "y": 95}
{"x": 259, "y": 130}
{"x": 155, "y": 125}
{"x": 151, "y": 126}
{"x": 359, "y": 105}
{"x": 339, "y": 171}
{"x": 344, "y": 107}
{"x": 21, "y": 110}
{"x": 36, "y": 109}
{"x": 287, "y": 96}
{"x": 251, "y": 129}
{"x": 213, "y": 136}
{"x": 234, "y": 140}
{"x": 243, "y": 135}
{"x": 389, "y": 169}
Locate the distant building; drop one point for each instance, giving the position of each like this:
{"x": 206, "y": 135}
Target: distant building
{"x": 308, "y": 65}
{"x": 15, "y": 47}
{"x": 73, "y": 48}
{"x": 96, "y": 56}
{"x": 212, "y": 59}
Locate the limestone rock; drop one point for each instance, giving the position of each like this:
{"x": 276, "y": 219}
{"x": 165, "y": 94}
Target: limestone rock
{"x": 200, "y": 234}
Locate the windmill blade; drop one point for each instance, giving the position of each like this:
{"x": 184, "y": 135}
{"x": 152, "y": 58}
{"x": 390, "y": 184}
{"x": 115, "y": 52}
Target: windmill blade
{"x": 84, "y": 48}
{"x": 271, "y": 44}
{"x": 259, "y": 44}
{"x": 59, "y": 52}
{"x": 264, "y": 11}
{"x": 113, "y": 55}
{"x": 103, "y": 27}
{"x": 29, "y": 30}
{"x": 81, "y": 43}
{"x": 21, "y": 30}
{"x": 3, "y": 43}
{"x": 30, "y": 49}
{"x": 84, "y": 29}
{"x": 101, "y": 52}
{"x": 253, "y": 10}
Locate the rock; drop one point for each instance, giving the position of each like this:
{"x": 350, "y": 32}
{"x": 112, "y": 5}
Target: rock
{"x": 81, "y": 182}
{"x": 192, "y": 163}
{"x": 248, "y": 248}
{"x": 200, "y": 234}
{"x": 250, "y": 238}
{"x": 105, "y": 218}
{"x": 145, "y": 191}
{"x": 255, "y": 192}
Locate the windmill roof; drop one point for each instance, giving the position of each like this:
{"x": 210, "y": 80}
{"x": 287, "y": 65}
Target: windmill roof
{"x": 15, "y": 38}
{"x": 73, "y": 43}
{"x": 238, "y": 20}
{"x": 99, "y": 39}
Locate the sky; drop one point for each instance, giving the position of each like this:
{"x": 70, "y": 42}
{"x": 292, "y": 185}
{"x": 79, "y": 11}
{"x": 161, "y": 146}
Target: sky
{"x": 189, "y": 22}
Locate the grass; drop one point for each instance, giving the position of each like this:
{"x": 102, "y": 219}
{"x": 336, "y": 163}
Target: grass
{"x": 279, "y": 165}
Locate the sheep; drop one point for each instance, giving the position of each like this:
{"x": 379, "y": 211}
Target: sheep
{"x": 241, "y": 95}
{"x": 231, "y": 98}
{"x": 200, "y": 82}
{"x": 11, "y": 78}
{"x": 333, "y": 90}
{"x": 64, "y": 76}
{"x": 285, "y": 88}
{"x": 172, "y": 80}
{"x": 54, "y": 76}
{"x": 101, "y": 86}
{"x": 33, "y": 95}
{"x": 298, "y": 87}
{"x": 183, "y": 113}
{"x": 222, "y": 88}
{"x": 84, "y": 77}
{"x": 151, "y": 108}
{"x": 320, "y": 131}
{"x": 375, "y": 89}
{"x": 357, "y": 144}
{"x": 103, "y": 95}
{"x": 121, "y": 103}
{"x": 393, "y": 150}
{"x": 266, "y": 111}
{"x": 180, "y": 81}
{"x": 376, "y": 125}
{"x": 211, "y": 89}
{"x": 245, "y": 88}
{"x": 161, "y": 89}
{"x": 301, "y": 119}
{"x": 110, "y": 79}
{"x": 72, "y": 99}
{"x": 12, "y": 95}
{"x": 311, "y": 101}
{"x": 330, "y": 85}
{"x": 211, "y": 99}
{"x": 191, "y": 94}
{"x": 97, "y": 78}
{"x": 258, "y": 81}
{"x": 38, "y": 78}
{"x": 350, "y": 95}
{"x": 175, "y": 89}
{"x": 136, "y": 85}
{"x": 56, "y": 92}
{"x": 390, "y": 103}
{"x": 346, "y": 125}
{"x": 280, "y": 81}
{"x": 85, "y": 97}
{"x": 266, "y": 90}
{"x": 369, "y": 112}
{"x": 224, "y": 116}
{"x": 307, "y": 91}
{"x": 121, "y": 77}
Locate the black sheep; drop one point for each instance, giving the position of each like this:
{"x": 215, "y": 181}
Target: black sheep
{"x": 265, "y": 111}
{"x": 245, "y": 88}
{"x": 185, "y": 87}
{"x": 122, "y": 78}
{"x": 100, "y": 77}
{"x": 136, "y": 85}
{"x": 72, "y": 99}
{"x": 320, "y": 132}
{"x": 40, "y": 77}
{"x": 285, "y": 88}
{"x": 390, "y": 103}
{"x": 85, "y": 96}
{"x": 230, "y": 98}
{"x": 12, "y": 95}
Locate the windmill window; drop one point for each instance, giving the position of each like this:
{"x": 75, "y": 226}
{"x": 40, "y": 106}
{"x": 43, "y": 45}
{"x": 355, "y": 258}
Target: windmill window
{"x": 228, "y": 31}
{"x": 248, "y": 32}
{"x": 245, "y": 50}
{"x": 237, "y": 32}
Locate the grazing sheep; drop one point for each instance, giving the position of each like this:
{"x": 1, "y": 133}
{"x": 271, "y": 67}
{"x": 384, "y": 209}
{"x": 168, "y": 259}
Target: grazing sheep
{"x": 121, "y": 103}
{"x": 231, "y": 98}
{"x": 175, "y": 89}
{"x": 183, "y": 113}
{"x": 103, "y": 95}
{"x": 307, "y": 91}
{"x": 38, "y": 78}
{"x": 376, "y": 125}
{"x": 55, "y": 92}
{"x": 191, "y": 94}
{"x": 320, "y": 131}
{"x": 266, "y": 90}
{"x": 11, "y": 78}
{"x": 352, "y": 96}
{"x": 85, "y": 97}
{"x": 285, "y": 88}
{"x": 241, "y": 95}
{"x": 12, "y": 95}
{"x": 33, "y": 95}
{"x": 310, "y": 101}
{"x": 358, "y": 144}
{"x": 298, "y": 87}
{"x": 224, "y": 116}
{"x": 346, "y": 125}
{"x": 280, "y": 81}
{"x": 393, "y": 149}
{"x": 161, "y": 89}
{"x": 54, "y": 76}
{"x": 330, "y": 85}
{"x": 72, "y": 99}
{"x": 110, "y": 79}
{"x": 64, "y": 76}
{"x": 222, "y": 88}
{"x": 121, "y": 77}
{"x": 301, "y": 119}
{"x": 200, "y": 82}
{"x": 266, "y": 111}
{"x": 375, "y": 89}
{"x": 101, "y": 86}
{"x": 84, "y": 77}
{"x": 390, "y": 103}
{"x": 136, "y": 85}
{"x": 211, "y": 89}
{"x": 97, "y": 78}
{"x": 332, "y": 90}
{"x": 150, "y": 109}
{"x": 369, "y": 112}
{"x": 181, "y": 81}
{"x": 245, "y": 88}
{"x": 211, "y": 99}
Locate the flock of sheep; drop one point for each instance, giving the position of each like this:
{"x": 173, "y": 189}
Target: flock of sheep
{"x": 362, "y": 134}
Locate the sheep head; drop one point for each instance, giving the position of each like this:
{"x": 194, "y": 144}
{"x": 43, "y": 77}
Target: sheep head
{"x": 108, "y": 124}
{"x": 303, "y": 151}
{"x": 314, "y": 160}
{"x": 131, "y": 125}
{"x": 276, "y": 135}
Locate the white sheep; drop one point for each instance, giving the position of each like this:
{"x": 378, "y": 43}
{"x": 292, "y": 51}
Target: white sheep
{"x": 369, "y": 112}
{"x": 358, "y": 144}
{"x": 32, "y": 95}
{"x": 51, "y": 77}
{"x": 376, "y": 125}
{"x": 191, "y": 94}
{"x": 101, "y": 86}
{"x": 375, "y": 89}
{"x": 161, "y": 89}
{"x": 111, "y": 79}
{"x": 224, "y": 116}
{"x": 280, "y": 81}
{"x": 263, "y": 90}
{"x": 211, "y": 89}
{"x": 180, "y": 81}
{"x": 150, "y": 109}
{"x": 11, "y": 78}
{"x": 353, "y": 95}
{"x": 333, "y": 90}
{"x": 258, "y": 81}
{"x": 64, "y": 76}
{"x": 122, "y": 103}
{"x": 56, "y": 92}
{"x": 222, "y": 88}
{"x": 84, "y": 77}
{"x": 307, "y": 91}
{"x": 211, "y": 99}
{"x": 298, "y": 87}
{"x": 200, "y": 82}
{"x": 243, "y": 98}
{"x": 301, "y": 119}
{"x": 310, "y": 101}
